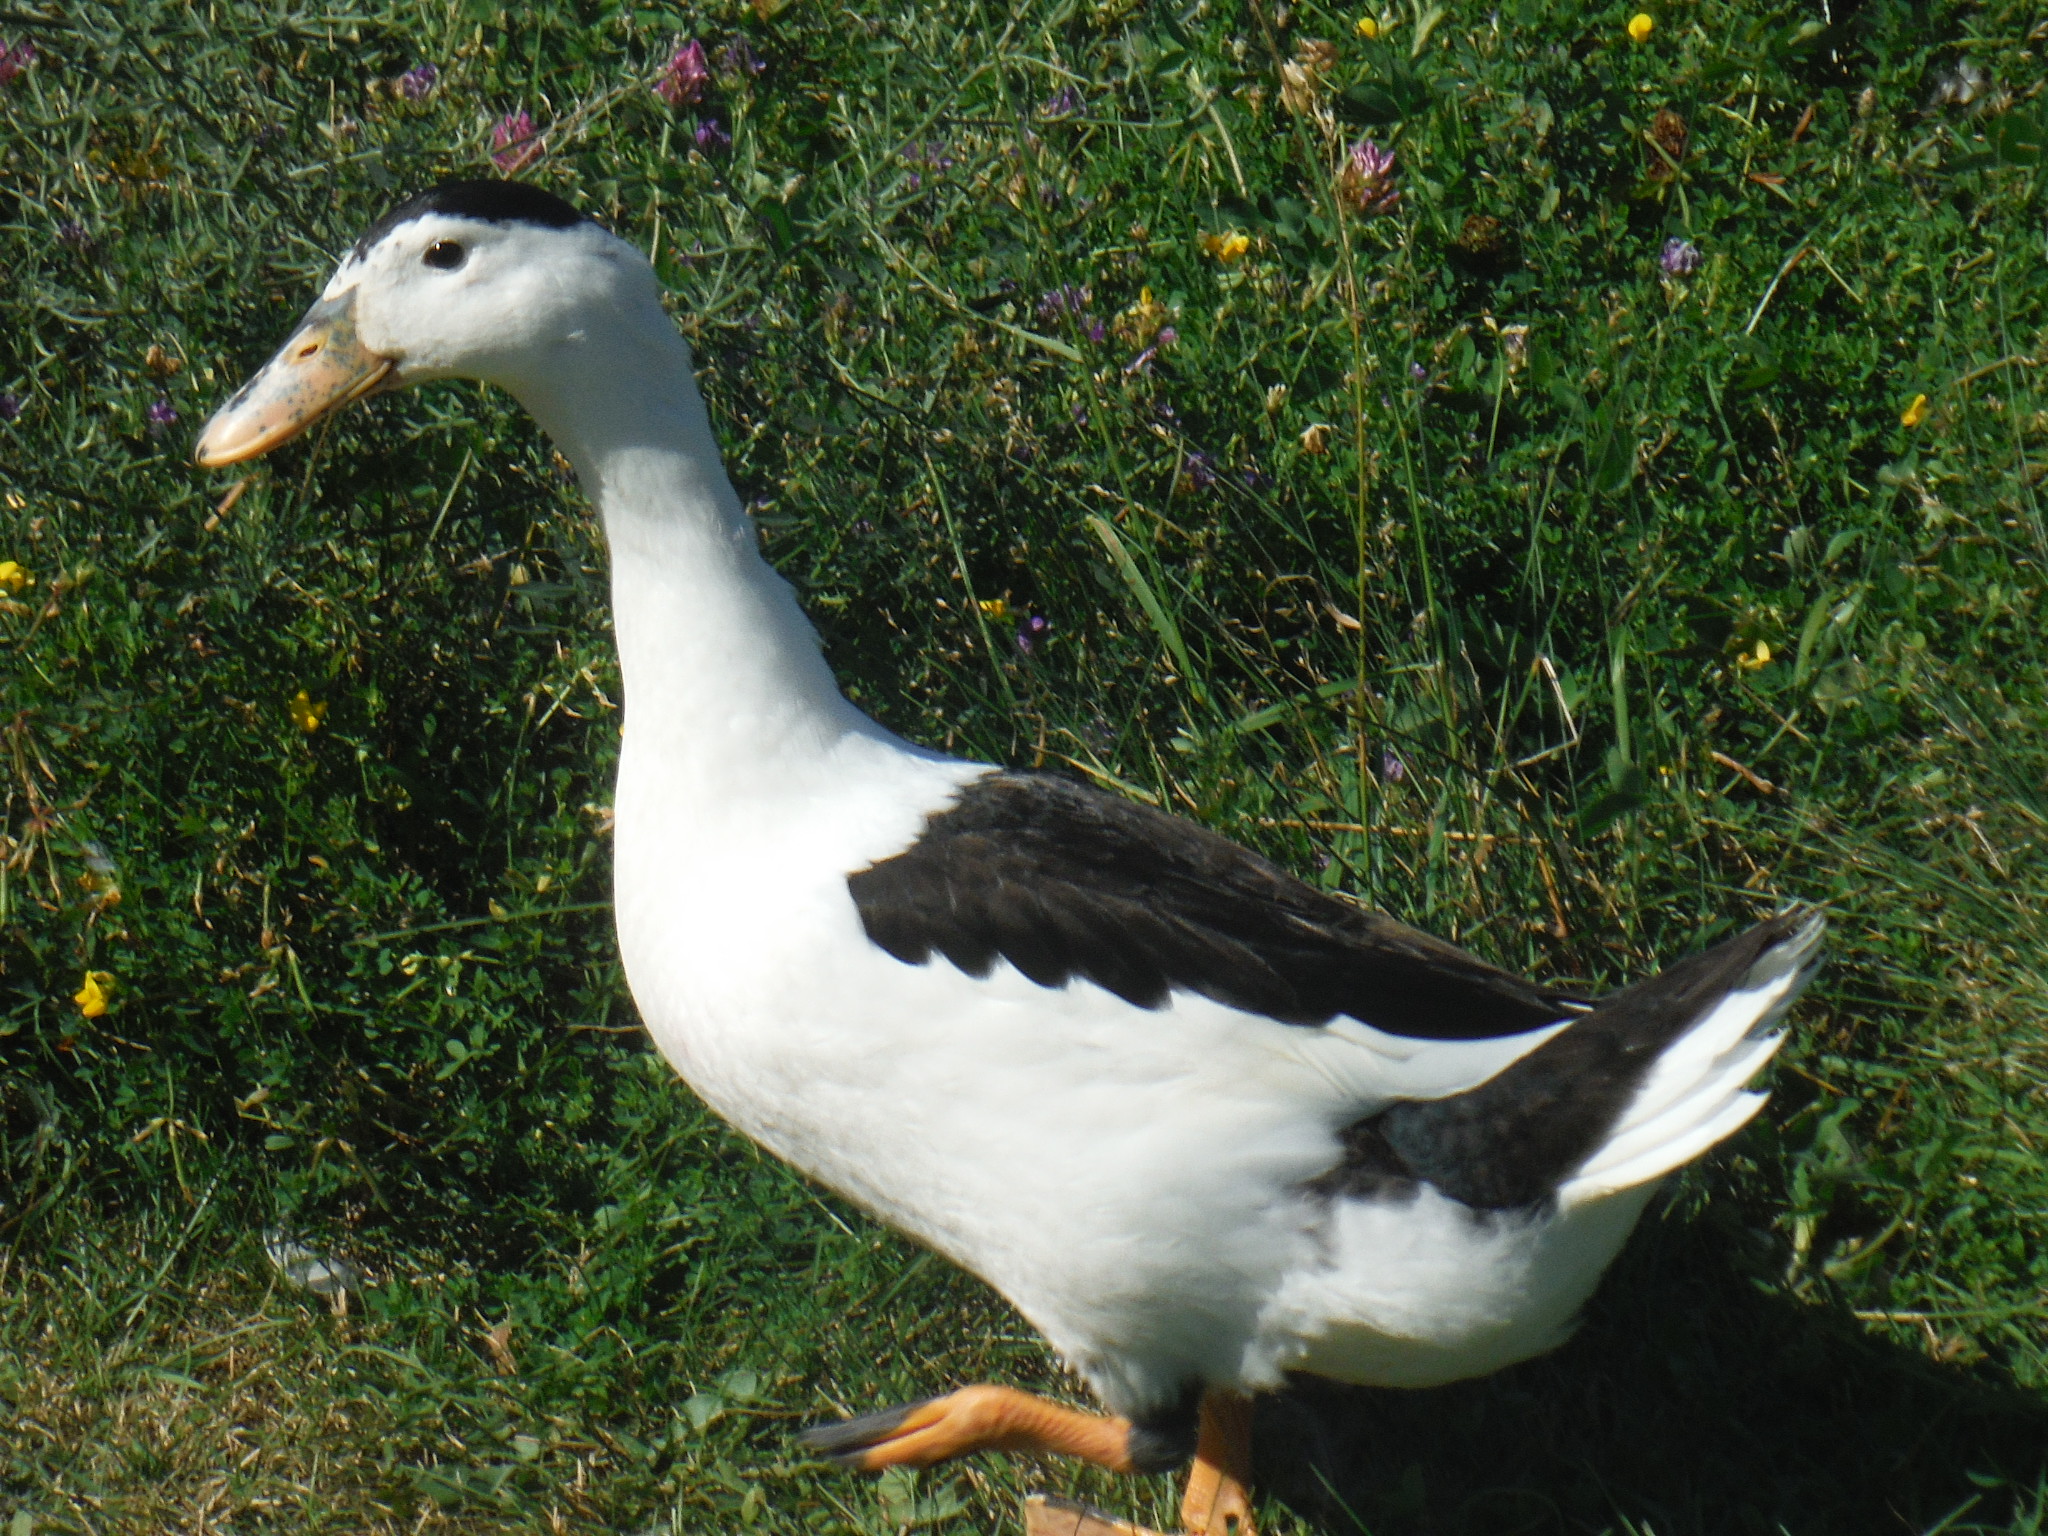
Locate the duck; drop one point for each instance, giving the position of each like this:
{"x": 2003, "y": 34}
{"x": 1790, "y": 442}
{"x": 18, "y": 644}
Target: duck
{"x": 1205, "y": 1125}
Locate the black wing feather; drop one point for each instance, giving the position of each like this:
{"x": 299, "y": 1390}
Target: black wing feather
{"x": 1064, "y": 881}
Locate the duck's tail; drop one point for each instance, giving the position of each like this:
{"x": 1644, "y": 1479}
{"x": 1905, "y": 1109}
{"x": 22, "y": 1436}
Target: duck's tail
{"x": 1696, "y": 1092}
{"x": 1641, "y": 1084}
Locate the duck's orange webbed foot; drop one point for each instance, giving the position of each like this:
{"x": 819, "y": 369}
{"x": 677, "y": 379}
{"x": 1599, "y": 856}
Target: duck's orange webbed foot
{"x": 980, "y": 1418}
{"x": 1047, "y": 1515}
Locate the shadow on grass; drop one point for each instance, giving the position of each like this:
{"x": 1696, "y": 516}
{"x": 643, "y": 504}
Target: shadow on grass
{"x": 1691, "y": 1402}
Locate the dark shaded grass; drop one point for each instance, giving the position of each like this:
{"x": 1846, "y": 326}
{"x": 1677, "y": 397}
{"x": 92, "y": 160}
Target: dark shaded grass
{"x": 1695, "y": 1400}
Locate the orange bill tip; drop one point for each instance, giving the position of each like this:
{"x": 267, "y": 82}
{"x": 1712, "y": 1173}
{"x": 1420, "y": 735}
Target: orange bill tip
{"x": 323, "y": 367}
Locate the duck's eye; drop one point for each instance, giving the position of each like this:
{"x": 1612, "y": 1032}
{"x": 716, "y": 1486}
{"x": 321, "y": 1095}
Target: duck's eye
{"x": 446, "y": 254}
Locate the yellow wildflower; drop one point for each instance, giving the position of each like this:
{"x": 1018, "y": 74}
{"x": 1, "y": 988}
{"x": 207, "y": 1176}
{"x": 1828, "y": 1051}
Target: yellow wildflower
{"x": 1368, "y": 28}
{"x": 307, "y": 715}
{"x": 1226, "y": 248}
{"x": 14, "y": 576}
{"x": 1911, "y": 416}
{"x": 1140, "y": 323}
{"x": 996, "y": 608}
{"x": 92, "y": 998}
{"x": 1315, "y": 438}
{"x": 1639, "y": 26}
{"x": 1750, "y": 661}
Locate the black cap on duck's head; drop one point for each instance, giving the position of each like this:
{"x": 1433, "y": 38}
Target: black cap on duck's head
{"x": 470, "y": 279}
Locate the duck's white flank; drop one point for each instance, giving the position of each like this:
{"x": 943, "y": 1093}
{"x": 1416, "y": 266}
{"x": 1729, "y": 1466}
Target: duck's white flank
{"x": 1134, "y": 1180}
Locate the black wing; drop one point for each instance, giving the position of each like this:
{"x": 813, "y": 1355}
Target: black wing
{"x": 1063, "y": 881}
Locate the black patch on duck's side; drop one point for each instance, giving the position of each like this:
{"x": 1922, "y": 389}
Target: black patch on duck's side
{"x": 1370, "y": 1168}
{"x": 1510, "y": 1142}
{"x": 494, "y": 202}
{"x": 1063, "y": 881}
{"x": 1163, "y": 1438}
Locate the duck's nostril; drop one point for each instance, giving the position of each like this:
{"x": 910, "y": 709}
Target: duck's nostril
{"x": 308, "y": 350}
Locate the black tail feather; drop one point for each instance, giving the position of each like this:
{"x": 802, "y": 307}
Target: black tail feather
{"x": 1510, "y": 1142}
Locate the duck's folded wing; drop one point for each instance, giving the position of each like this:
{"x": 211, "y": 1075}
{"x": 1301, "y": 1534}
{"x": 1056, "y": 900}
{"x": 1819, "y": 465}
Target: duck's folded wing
{"x": 1064, "y": 882}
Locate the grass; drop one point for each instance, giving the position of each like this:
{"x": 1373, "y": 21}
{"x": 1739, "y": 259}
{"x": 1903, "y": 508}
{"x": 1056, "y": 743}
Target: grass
{"x": 1451, "y": 552}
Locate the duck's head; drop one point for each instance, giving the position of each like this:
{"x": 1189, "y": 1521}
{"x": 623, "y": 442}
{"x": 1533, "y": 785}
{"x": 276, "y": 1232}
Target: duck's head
{"x": 491, "y": 280}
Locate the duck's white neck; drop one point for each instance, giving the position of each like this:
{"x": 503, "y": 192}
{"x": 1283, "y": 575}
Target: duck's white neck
{"x": 723, "y": 676}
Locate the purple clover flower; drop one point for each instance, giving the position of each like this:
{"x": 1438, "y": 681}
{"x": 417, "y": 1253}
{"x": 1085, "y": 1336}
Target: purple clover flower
{"x": 1366, "y": 179}
{"x": 737, "y": 58}
{"x": 161, "y": 415}
{"x": 418, "y": 82}
{"x": 1034, "y": 629}
{"x": 15, "y": 59}
{"x": 75, "y": 236}
{"x": 1197, "y": 471}
{"x": 1167, "y": 336}
{"x": 1679, "y": 258}
{"x": 1070, "y": 304}
{"x": 686, "y": 76}
{"x": 1065, "y": 103}
{"x": 710, "y": 137}
{"x": 1418, "y": 373}
{"x": 1069, "y": 301}
{"x": 515, "y": 142}
{"x": 10, "y": 405}
{"x": 1392, "y": 769}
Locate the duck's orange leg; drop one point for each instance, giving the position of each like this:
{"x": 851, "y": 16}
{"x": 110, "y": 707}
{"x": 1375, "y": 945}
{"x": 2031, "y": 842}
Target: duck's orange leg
{"x": 981, "y": 1418}
{"x": 1218, "y": 1500}
{"x": 989, "y": 1418}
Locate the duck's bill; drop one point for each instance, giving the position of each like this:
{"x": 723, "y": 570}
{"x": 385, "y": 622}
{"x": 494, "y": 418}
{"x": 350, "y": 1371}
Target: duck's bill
{"x": 323, "y": 367}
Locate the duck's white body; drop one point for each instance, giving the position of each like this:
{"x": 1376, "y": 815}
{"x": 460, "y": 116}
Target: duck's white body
{"x": 1137, "y": 1181}
{"x": 1131, "y": 1179}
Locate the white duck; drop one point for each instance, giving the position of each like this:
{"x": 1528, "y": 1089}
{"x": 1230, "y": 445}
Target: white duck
{"x": 1201, "y": 1123}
